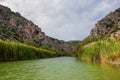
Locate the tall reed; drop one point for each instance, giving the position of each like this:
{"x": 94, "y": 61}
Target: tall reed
{"x": 10, "y": 51}
{"x": 103, "y": 50}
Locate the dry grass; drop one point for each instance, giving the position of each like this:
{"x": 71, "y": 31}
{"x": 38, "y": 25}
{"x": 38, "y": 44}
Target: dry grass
{"x": 103, "y": 50}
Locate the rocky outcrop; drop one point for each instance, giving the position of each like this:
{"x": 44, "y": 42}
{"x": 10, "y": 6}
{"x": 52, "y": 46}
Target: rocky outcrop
{"x": 15, "y": 27}
{"x": 110, "y": 25}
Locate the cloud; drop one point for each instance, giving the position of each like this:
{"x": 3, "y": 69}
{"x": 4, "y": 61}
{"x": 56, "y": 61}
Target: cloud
{"x": 64, "y": 19}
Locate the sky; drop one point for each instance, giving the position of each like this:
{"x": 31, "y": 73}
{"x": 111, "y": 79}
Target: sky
{"x": 64, "y": 19}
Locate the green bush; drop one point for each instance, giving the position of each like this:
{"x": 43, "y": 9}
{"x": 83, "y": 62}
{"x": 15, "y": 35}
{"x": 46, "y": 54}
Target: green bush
{"x": 49, "y": 48}
{"x": 93, "y": 38}
{"x": 30, "y": 43}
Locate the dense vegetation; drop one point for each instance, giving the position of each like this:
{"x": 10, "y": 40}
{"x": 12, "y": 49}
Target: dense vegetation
{"x": 10, "y": 51}
{"x": 6, "y": 33}
{"x": 93, "y": 38}
{"x": 100, "y": 51}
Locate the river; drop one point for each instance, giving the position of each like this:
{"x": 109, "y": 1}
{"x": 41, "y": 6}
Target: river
{"x": 63, "y": 68}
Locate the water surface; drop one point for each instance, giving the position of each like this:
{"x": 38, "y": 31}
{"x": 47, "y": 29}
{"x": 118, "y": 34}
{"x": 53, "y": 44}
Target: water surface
{"x": 63, "y": 68}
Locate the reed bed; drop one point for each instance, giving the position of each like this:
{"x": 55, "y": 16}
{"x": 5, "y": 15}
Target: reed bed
{"x": 101, "y": 51}
{"x": 11, "y": 51}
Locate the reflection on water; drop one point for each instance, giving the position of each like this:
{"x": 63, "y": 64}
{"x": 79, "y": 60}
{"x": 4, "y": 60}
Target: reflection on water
{"x": 64, "y": 68}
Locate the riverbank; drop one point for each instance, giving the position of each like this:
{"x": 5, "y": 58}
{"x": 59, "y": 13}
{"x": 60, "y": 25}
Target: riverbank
{"x": 12, "y": 51}
{"x": 103, "y": 51}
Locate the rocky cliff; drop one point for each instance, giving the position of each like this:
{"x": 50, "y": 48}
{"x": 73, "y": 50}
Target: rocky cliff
{"x": 15, "y": 27}
{"x": 109, "y": 25}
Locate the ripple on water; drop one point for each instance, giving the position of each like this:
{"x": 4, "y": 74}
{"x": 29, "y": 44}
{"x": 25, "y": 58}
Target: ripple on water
{"x": 64, "y": 68}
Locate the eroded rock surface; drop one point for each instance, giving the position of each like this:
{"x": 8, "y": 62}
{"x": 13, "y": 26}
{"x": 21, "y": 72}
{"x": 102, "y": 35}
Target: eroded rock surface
{"x": 109, "y": 25}
{"x": 15, "y": 27}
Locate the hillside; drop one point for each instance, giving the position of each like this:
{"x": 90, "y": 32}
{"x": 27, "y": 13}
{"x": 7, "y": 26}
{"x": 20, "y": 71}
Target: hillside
{"x": 14, "y": 27}
{"x": 109, "y": 25}
{"x": 102, "y": 45}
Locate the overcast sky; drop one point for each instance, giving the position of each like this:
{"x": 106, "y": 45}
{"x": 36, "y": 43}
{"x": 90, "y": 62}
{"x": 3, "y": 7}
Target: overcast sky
{"x": 64, "y": 19}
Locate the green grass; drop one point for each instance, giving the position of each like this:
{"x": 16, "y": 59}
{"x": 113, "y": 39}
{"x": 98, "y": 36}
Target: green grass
{"x": 100, "y": 51}
{"x": 93, "y": 38}
{"x": 10, "y": 51}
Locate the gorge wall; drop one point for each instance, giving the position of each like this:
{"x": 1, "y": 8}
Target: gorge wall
{"x": 109, "y": 25}
{"x": 15, "y": 27}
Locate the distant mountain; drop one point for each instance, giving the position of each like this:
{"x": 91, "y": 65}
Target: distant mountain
{"x": 109, "y": 25}
{"x": 15, "y": 27}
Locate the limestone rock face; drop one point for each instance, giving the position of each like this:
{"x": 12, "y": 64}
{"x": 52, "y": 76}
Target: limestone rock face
{"x": 109, "y": 25}
{"x": 19, "y": 28}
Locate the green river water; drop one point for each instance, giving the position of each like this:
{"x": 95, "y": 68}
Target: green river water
{"x": 63, "y": 68}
